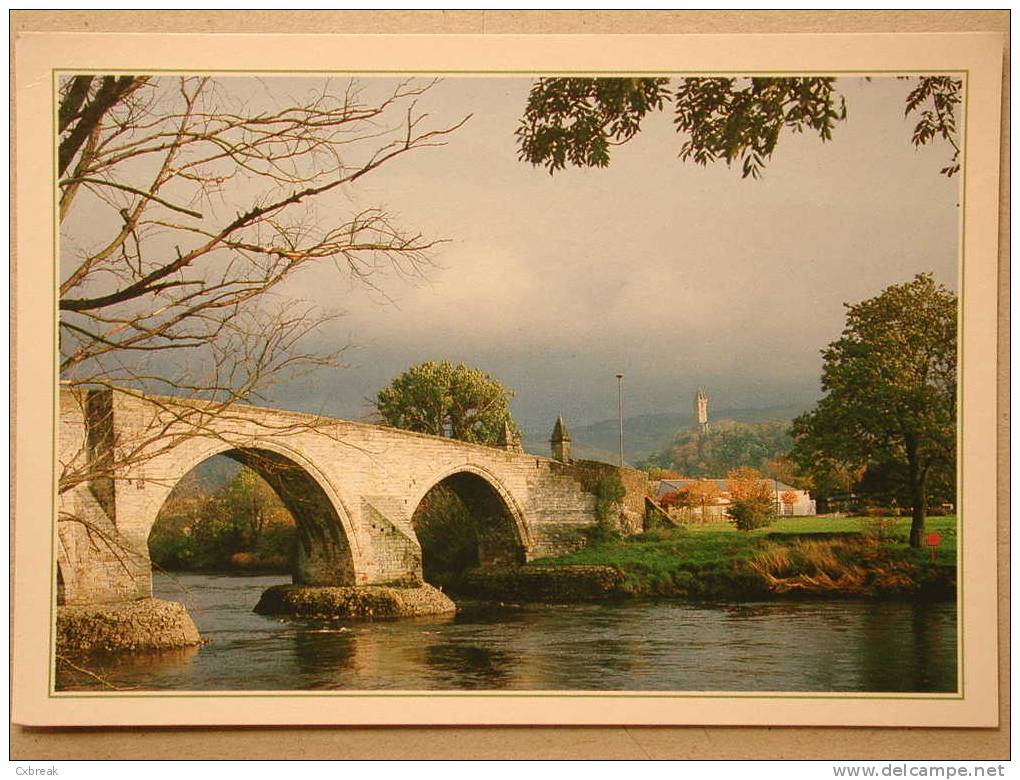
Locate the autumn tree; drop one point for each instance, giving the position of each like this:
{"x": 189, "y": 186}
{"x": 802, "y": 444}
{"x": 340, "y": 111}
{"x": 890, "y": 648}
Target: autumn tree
{"x": 752, "y": 499}
{"x": 700, "y": 494}
{"x": 703, "y": 493}
{"x": 789, "y": 498}
{"x": 748, "y": 484}
{"x": 578, "y": 121}
{"x": 674, "y": 498}
{"x": 890, "y": 392}
{"x": 242, "y": 523}
{"x": 442, "y": 399}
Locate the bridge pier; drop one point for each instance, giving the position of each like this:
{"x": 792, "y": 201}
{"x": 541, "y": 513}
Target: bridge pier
{"x": 357, "y": 601}
{"x": 139, "y": 626}
{"x": 104, "y": 587}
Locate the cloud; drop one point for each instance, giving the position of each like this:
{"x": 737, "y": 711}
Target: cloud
{"x": 677, "y": 274}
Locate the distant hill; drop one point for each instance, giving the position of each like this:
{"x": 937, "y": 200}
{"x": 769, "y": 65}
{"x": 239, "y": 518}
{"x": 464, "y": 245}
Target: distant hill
{"x": 215, "y": 473}
{"x": 644, "y": 434}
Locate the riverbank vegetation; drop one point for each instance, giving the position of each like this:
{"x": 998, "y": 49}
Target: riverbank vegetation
{"x": 448, "y": 535}
{"x": 850, "y": 557}
{"x": 241, "y": 527}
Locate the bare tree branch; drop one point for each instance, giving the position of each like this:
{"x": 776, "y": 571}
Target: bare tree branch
{"x": 188, "y": 206}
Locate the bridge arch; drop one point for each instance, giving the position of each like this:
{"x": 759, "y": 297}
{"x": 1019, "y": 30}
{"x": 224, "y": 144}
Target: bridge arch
{"x": 327, "y": 544}
{"x": 497, "y": 529}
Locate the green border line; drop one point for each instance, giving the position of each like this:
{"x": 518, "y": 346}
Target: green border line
{"x": 510, "y": 694}
{"x": 55, "y": 403}
{"x": 961, "y": 231}
{"x": 508, "y": 73}
{"x": 607, "y": 694}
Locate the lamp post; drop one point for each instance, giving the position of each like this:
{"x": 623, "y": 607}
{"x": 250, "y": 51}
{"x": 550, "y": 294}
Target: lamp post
{"x": 619, "y": 387}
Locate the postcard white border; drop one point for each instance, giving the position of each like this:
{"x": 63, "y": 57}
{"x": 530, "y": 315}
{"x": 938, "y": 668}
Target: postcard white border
{"x": 38, "y": 54}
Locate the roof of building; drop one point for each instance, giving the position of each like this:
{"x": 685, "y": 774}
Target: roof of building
{"x": 669, "y": 485}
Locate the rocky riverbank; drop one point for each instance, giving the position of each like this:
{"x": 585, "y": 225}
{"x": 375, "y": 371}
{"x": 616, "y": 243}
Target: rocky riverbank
{"x": 361, "y": 601}
{"x": 549, "y": 584}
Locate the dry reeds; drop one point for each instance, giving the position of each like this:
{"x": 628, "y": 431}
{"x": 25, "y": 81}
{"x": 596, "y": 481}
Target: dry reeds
{"x": 830, "y": 566}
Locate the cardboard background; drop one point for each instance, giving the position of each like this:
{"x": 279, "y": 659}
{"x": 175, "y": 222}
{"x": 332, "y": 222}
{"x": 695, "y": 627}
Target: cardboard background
{"x": 532, "y": 742}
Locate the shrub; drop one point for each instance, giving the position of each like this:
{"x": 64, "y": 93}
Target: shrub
{"x": 603, "y": 532}
{"x": 243, "y": 560}
{"x": 879, "y": 527}
{"x": 747, "y": 514}
{"x": 609, "y": 493}
{"x": 752, "y": 503}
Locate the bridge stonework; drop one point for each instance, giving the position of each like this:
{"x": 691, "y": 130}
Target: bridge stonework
{"x": 352, "y": 487}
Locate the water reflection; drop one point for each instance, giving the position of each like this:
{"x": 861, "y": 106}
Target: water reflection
{"x": 472, "y": 667}
{"x": 915, "y": 658}
{"x": 664, "y": 646}
{"x": 108, "y": 671}
{"x": 326, "y": 654}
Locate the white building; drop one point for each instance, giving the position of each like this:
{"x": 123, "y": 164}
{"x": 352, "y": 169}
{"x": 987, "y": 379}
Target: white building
{"x": 790, "y": 502}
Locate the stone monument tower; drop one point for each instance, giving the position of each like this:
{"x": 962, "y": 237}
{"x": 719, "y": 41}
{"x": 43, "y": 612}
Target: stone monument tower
{"x": 560, "y": 441}
{"x": 701, "y": 410}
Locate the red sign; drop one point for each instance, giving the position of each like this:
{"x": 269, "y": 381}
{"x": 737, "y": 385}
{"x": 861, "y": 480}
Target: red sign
{"x": 932, "y": 540}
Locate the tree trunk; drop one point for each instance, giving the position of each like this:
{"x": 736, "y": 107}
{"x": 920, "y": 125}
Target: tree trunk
{"x": 112, "y": 91}
{"x": 918, "y": 495}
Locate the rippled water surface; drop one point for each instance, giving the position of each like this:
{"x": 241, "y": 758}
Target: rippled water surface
{"x": 774, "y": 646}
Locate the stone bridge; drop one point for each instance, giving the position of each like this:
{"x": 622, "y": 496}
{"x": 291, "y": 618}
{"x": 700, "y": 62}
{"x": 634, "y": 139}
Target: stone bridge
{"x": 352, "y": 489}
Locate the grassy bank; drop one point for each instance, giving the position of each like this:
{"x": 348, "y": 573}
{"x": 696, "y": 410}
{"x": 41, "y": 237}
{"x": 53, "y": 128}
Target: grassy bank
{"x": 816, "y": 556}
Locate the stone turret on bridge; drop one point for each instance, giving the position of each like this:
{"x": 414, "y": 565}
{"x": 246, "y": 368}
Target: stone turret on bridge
{"x": 509, "y": 440}
{"x": 560, "y": 441}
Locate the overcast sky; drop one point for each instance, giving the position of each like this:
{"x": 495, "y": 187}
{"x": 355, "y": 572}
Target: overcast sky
{"x": 676, "y": 275}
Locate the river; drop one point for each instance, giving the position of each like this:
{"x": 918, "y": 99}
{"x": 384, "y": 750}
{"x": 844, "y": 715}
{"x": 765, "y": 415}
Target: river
{"x": 640, "y": 645}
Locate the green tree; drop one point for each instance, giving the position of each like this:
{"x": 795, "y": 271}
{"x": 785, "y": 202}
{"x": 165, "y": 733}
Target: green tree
{"x": 577, "y": 121}
{"x": 890, "y": 392}
{"x": 785, "y": 470}
{"x": 252, "y": 506}
{"x": 447, "y": 400}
